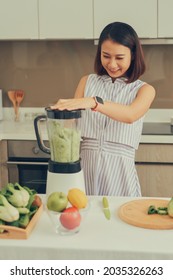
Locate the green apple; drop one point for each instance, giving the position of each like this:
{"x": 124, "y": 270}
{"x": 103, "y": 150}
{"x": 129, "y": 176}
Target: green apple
{"x": 57, "y": 201}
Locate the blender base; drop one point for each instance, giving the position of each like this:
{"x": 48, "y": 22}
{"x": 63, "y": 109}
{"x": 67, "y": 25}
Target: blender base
{"x": 58, "y": 182}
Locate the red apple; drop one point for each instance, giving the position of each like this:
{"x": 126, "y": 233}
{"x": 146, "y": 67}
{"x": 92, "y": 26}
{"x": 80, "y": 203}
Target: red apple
{"x": 70, "y": 218}
{"x": 37, "y": 201}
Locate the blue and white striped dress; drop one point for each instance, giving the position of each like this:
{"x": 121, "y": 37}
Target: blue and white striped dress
{"x": 108, "y": 146}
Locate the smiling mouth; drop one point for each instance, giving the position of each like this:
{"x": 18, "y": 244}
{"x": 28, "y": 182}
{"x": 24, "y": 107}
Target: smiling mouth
{"x": 114, "y": 71}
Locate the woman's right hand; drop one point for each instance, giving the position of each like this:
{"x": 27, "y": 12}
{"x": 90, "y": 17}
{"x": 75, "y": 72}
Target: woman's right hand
{"x": 74, "y": 104}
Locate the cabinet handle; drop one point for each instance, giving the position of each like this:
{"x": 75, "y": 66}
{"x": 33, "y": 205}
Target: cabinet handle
{"x": 153, "y": 163}
{"x": 26, "y": 163}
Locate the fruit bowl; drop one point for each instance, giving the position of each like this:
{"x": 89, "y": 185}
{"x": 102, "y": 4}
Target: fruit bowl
{"x": 68, "y": 222}
{"x": 67, "y": 211}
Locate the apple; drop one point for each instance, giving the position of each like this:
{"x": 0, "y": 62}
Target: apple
{"x": 57, "y": 201}
{"x": 37, "y": 201}
{"x": 70, "y": 218}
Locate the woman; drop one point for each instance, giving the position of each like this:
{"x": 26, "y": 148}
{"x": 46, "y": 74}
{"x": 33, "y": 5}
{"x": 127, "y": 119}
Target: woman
{"x": 116, "y": 102}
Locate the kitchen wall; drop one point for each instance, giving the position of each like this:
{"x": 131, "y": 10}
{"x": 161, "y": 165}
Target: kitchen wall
{"x": 48, "y": 70}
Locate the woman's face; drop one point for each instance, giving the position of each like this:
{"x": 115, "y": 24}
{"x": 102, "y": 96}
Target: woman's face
{"x": 115, "y": 58}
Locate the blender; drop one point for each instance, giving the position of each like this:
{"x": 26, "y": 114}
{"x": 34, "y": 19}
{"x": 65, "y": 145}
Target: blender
{"x": 64, "y": 167}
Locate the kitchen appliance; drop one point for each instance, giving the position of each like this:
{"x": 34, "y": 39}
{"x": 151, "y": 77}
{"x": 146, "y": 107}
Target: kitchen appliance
{"x": 155, "y": 128}
{"x": 64, "y": 167}
{"x": 25, "y": 163}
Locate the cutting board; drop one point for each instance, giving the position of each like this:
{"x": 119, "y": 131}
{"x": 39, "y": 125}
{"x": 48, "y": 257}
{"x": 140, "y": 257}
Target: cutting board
{"x": 135, "y": 213}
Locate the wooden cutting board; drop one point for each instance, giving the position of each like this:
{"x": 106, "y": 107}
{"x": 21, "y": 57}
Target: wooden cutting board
{"x": 135, "y": 213}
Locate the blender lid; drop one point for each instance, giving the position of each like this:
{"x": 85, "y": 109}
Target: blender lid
{"x": 65, "y": 114}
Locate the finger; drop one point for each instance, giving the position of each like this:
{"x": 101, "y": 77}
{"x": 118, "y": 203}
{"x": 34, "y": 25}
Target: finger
{"x": 53, "y": 107}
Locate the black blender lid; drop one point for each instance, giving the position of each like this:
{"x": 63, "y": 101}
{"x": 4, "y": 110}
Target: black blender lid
{"x": 65, "y": 114}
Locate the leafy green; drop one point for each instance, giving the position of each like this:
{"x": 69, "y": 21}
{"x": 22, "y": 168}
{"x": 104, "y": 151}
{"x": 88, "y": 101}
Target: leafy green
{"x": 11, "y": 214}
{"x": 8, "y": 212}
{"x": 16, "y": 194}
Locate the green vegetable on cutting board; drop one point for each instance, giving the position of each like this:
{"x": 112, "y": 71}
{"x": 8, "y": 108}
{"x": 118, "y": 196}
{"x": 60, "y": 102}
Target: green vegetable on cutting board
{"x": 152, "y": 210}
{"x": 106, "y": 209}
{"x": 162, "y": 210}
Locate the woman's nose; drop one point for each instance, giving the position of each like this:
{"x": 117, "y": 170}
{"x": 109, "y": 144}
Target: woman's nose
{"x": 113, "y": 63}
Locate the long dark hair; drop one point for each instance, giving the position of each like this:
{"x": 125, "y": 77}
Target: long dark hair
{"x": 125, "y": 35}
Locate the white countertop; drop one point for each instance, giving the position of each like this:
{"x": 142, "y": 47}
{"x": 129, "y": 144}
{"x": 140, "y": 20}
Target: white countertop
{"x": 24, "y": 129}
{"x": 98, "y": 239}
{"x": 21, "y": 130}
{"x": 11, "y": 130}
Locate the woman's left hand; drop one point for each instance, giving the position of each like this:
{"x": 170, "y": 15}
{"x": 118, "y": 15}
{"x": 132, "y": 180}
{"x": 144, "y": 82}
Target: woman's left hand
{"x": 74, "y": 104}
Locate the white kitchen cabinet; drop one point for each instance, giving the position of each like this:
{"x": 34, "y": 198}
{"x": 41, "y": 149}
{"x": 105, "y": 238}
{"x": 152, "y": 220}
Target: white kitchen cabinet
{"x": 66, "y": 19}
{"x": 154, "y": 164}
{"x": 82, "y": 19}
{"x": 18, "y": 19}
{"x": 140, "y": 14}
{"x": 165, "y": 19}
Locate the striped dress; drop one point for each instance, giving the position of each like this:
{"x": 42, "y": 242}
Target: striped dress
{"x": 108, "y": 146}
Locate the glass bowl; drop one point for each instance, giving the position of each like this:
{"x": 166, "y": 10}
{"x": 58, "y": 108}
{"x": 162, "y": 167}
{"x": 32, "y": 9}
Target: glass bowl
{"x": 69, "y": 221}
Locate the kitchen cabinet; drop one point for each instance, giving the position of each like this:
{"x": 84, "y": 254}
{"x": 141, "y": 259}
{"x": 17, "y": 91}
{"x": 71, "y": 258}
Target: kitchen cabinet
{"x": 42, "y": 19}
{"x": 3, "y": 160}
{"x": 18, "y": 19}
{"x": 66, "y": 19}
{"x": 82, "y": 19}
{"x": 142, "y": 15}
{"x": 154, "y": 164}
{"x": 165, "y": 19}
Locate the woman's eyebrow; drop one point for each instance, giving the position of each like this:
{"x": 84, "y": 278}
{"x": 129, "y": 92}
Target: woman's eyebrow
{"x": 119, "y": 54}
{"x": 105, "y": 53}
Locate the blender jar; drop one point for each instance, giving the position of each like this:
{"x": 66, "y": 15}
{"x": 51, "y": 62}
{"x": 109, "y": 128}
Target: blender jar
{"x": 63, "y": 133}
{"x": 64, "y": 167}
{"x": 64, "y": 137}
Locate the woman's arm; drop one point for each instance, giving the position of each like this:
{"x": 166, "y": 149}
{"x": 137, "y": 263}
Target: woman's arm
{"x": 78, "y": 102}
{"x": 79, "y": 93}
{"x": 132, "y": 112}
{"x": 116, "y": 111}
